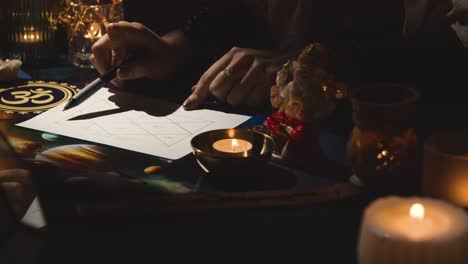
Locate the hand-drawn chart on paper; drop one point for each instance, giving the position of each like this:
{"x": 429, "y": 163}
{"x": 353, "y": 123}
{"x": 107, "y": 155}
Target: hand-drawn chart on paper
{"x": 167, "y": 135}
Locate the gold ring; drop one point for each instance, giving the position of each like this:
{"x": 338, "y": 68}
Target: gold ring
{"x": 228, "y": 72}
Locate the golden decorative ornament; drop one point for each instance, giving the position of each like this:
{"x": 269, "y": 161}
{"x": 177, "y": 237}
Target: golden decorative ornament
{"x": 34, "y": 97}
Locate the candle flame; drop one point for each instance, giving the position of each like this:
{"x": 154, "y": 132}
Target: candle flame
{"x": 234, "y": 144}
{"x": 417, "y": 211}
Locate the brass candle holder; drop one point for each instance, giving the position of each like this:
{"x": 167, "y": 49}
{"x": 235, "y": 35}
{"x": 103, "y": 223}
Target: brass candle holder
{"x": 248, "y": 152}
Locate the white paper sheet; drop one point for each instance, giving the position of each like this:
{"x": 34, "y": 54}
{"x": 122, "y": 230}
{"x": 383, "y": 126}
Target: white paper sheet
{"x": 164, "y": 136}
{"x": 34, "y": 216}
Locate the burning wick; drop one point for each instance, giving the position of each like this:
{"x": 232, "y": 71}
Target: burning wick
{"x": 234, "y": 145}
{"x": 417, "y": 211}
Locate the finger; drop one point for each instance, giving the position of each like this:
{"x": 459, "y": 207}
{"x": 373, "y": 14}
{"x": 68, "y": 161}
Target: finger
{"x": 223, "y": 83}
{"x": 118, "y": 83}
{"x": 115, "y": 60}
{"x": 221, "y": 86}
{"x": 259, "y": 94}
{"x": 92, "y": 60}
{"x": 201, "y": 90}
{"x": 261, "y": 89}
{"x": 237, "y": 94}
{"x": 118, "y": 43}
{"x": 214, "y": 69}
{"x": 102, "y": 54}
{"x": 252, "y": 77}
{"x": 196, "y": 98}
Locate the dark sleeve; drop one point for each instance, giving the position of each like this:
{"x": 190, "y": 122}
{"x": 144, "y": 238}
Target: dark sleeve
{"x": 214, "y": 26}
{"x": 365, "y": 41}
{"x": 373, "y": 49}
{"x": 219, "y": 25}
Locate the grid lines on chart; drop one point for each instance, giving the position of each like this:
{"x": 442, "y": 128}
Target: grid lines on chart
{"x": 167, "y": 130}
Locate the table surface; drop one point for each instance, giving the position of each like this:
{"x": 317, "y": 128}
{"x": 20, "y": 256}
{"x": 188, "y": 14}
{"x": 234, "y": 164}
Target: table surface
{"x": 310, "y": 229}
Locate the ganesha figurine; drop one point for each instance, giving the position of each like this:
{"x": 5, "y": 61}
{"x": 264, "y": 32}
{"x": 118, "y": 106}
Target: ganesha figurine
{"x": 300, "y": 99}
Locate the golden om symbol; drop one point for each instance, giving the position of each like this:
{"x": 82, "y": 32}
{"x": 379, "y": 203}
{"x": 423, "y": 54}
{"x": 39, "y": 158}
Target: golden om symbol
{"x": 33, "y": 95}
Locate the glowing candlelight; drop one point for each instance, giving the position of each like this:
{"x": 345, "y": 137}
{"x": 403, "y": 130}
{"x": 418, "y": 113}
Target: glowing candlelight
{"x": 30, "y": 37}
{"x": 411, "y": 230}
{"x": 233, "y": 145}
{"x": 446, "y": 166}
{"x": 417, "y": 211}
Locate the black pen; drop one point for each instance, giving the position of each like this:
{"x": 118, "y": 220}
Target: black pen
{"x": 91, "y": 88}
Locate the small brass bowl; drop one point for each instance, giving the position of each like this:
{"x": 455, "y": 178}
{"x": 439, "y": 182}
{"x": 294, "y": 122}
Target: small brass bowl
{"x": 232, "y": 164}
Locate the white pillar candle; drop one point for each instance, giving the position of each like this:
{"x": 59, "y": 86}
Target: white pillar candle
{"x": 446, "y": 167}
{"x": 413, "y": 230}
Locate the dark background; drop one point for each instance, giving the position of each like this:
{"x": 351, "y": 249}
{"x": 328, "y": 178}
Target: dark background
{"x": 371, "y": 51}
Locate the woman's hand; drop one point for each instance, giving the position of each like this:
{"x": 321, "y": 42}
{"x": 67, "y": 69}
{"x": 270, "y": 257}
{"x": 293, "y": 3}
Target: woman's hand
{"x": 152, "y": 56}
{"x": 241, "y": 76}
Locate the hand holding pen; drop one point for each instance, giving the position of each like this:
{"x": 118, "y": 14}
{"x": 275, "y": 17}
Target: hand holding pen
{"x": 155, "y": 57}
{"x": 91, "y": 89}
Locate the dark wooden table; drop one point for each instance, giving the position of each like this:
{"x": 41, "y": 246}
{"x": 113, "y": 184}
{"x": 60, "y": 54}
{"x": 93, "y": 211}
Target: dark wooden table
{"x": 306, "y": 224}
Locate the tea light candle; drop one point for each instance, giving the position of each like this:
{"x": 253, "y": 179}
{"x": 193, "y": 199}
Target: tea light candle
{"x": 413, "y": 230}
{"x": 446, "y": 167}
{"x": 232, "y": 145}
